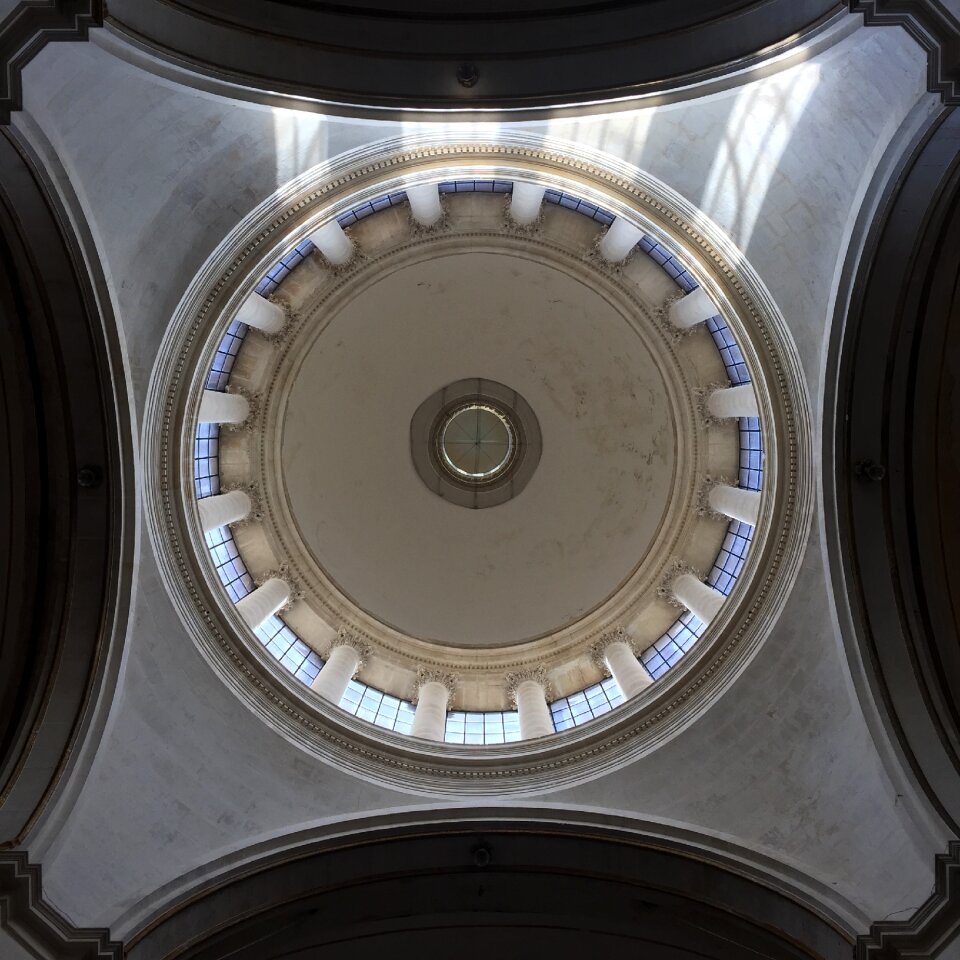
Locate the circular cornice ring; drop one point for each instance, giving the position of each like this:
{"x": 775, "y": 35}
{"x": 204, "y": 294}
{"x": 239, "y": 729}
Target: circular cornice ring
{"x": 575, "y": 755}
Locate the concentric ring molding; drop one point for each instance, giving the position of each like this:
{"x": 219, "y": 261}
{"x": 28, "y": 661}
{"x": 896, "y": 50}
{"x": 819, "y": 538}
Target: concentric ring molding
{"x": 577, "y": 754}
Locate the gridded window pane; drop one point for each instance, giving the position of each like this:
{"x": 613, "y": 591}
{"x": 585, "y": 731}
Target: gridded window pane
{"x": 669, "y": 261}
{"x": 751, "y": 453}
{"x": 727, "y": 566}
{"x": 230, "y": 567}
{"x": 492, "y": 726}
{"x": 665, "y": 652}
{"x": 219, "y": 375}
{"x": 585, "y": 705}
{"x": 476, "y": 186}
{"x": 571, "y": 202}
{"x": 349, "y": 217}
{"x": 206, "y": 460}
{"x": 289, "y": 649}
{"x": 281, "y": 269}
{"x": 729, "y": 351}
{"x": 377, "y": 707}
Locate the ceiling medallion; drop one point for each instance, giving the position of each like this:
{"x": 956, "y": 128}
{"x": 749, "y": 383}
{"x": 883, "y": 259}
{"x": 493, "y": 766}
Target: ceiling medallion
{"x": 475, "y": 443}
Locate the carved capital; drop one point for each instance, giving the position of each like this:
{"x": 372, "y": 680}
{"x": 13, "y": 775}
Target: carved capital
{"x": 511, "y": 227}
{"x": 282, "y": 573}
{"x": 419, "y": 230}
{"x": 291, "y": 319}
{"x": 252, "y": 398}
{"x": 346, "y": 637}
{"x": 537, "y": 674}
{"x": 704, "y": 509}
{"x": 449, "y": 680}
{"x": 677, "y": 568}
{"x": 662, "y": 316}
{"x": 252, "y": 490}
{"x": 700, "y": 397}
{"x": 598, "y": 647}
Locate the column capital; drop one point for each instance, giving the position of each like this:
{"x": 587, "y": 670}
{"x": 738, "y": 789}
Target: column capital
{"x": 252, "y": 489}
{"x": 676, "y": 569}
{"x": 253, "y": 402}
{"x": 598, "y": 647}
{"x": 701, "y": 398}
{"x": 282, "y": 573}
{"x": 704, "y": 507}
{"x": 450, "y": 681}
{"x": 290, "y": 316}
{"x": 536, "y": 673}
{"x": 346, "y": 637}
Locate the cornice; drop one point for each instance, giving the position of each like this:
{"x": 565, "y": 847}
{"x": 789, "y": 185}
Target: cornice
{"x": 577, "y": 754}
{"x": 28, "y": 919}
{"x": 934, "y": 27}
{"x": 933, "y": 926}
{"x": 28, "y": 29}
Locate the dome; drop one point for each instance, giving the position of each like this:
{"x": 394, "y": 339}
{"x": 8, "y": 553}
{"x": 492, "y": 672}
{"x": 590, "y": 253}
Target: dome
{"x": 486, "y": 461}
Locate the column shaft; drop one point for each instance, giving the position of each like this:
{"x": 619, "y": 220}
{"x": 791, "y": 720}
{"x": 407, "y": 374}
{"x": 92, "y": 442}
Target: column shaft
{"x": 728, "y": 402}
{"x": 263, "y": 602}
{"x": 701, "y": 600}
{"x": 694, "y": 308}
{"x": 333, "y": 243}
{"x": 526, "y": 201}
{"x": 425, "y": 203}
{"x": 222, "y": 509}
{"x": 621, "y": 237}
{"x": 430, "y": 720}
{"x": 337, "y": 672}
{"x": 216, "y": 407}
{"x": 535, "y": 720}
{"x": 627, "y": 670}
{"x": 259, "y": 312}
{"x": 735, "y": 502}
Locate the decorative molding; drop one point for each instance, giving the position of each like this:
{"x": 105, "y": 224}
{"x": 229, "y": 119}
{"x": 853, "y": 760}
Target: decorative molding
{"x": 420, "y": 230}
{"x": 347, "y": 637}
{"x": 536, "y": 673}
{"x": 28, "y": 29}
{"x": 282, "y": 573}
{"x": 253, "y": 398}
{"x": 933, "y": 926}
{"x": 934, "y": 27}
{"x": 292, "y": 319}
{"x": 29, "y": 919}
{"x": 662, "y": 316}
{"x": 449, "y": 680}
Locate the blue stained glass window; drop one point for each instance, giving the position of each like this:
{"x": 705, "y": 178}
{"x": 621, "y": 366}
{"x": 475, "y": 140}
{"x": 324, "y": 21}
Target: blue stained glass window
{"x": 281, "y": 269}
{"x": 349, "y": 217}
{"x": 206, "y": 460}
{"x": 568, "y": 200}
{"x": 751, "y": 453}
{"x": 476, "y": 186}
{"x": 226, "y": 354}
{"x": 669, "y": 261}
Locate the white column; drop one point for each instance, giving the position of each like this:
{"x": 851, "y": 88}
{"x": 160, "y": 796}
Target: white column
{"x": 222, "y": 509}
{"x": 627, "y": 670}
{"x": 525, "y": 201}
{"x": 734, "y": 502}
{"x": 333, "y": 243}
{"x": 535, "y": 720}
{"x": 430, "y": 720}
{"x": 425, "y": 203}
{"x": 621, "y": 237}
{"x": 259, "y": 312}
{"x": 337, "y": 672}
{"x": 701, "y": 600}
{"x": 216, "y": 407}
{"x": 729, "y": 402}
{"x": 263, "y": 602}
{"x": 692, "y": 308}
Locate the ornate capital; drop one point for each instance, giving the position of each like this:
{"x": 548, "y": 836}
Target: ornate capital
{"x": 537, "y": 674}
{"x": 420, "y": 230}
{"x": 449, "y": 680}
{"x": 346, "y": 637}
{"x": 252, "y": 398}
{"x": 291, "y": 316}
{"x": 662, "y": 316}
{"x": 700, "y": 397}
{"x": 704, "y": 509}
{"x": 282, "y": 573}
{"x": 677, "y": 568}
{"x": 252, "y": 490}
{"x": 511, "y": 227}
{"x": 598, "y": 647}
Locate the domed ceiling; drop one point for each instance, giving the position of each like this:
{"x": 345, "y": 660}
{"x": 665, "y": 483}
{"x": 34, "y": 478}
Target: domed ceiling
{"x": 454, "y": 438}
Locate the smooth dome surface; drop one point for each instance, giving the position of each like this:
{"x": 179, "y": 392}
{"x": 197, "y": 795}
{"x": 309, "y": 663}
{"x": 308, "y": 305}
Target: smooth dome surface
{"x": 524, "y": 568}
